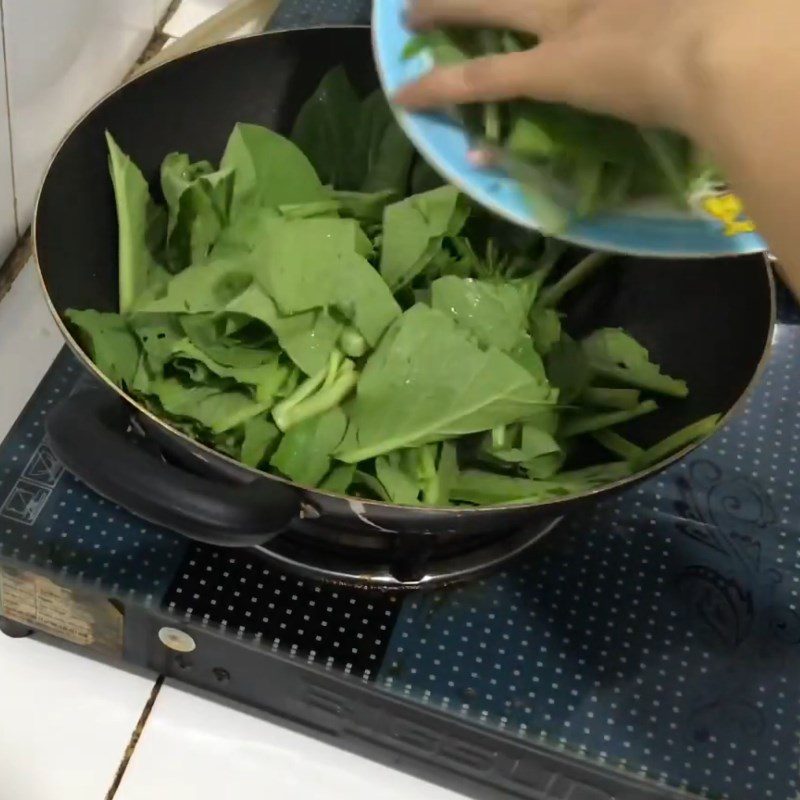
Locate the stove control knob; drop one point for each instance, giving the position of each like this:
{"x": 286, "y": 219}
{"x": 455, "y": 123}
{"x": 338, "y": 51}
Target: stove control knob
{"x": 176, "y": 640}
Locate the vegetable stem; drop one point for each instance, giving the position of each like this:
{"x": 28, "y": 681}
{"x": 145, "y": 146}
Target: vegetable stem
{"x": 619, "y": 445}
{"x": 429, "y": 476}
{"x": 586, "y": 423}
{"x": 678, "y": 440}
{"x": 611, "y": 398}
{"x": 318, "y": 394}
{"x": 553, "y": 295}
{"x": 353, "y": 343}
{"x": 499, "y": 437}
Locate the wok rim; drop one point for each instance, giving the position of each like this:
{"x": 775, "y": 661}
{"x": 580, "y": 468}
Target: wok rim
{"x": 556, "y": 504}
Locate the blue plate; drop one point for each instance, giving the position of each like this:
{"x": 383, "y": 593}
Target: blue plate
{"x": 717, "y": 228}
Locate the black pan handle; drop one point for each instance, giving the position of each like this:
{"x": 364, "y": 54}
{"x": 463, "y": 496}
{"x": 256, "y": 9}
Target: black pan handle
{"x": 88, "y": 434}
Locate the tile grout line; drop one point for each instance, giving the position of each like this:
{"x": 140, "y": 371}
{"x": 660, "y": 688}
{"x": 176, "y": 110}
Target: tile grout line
{"x": 134, "y": 740}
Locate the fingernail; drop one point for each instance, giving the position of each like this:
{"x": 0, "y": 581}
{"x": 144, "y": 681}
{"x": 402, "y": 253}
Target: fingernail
{"x": 409, "y": 14}
{"x": 481, "y": 158}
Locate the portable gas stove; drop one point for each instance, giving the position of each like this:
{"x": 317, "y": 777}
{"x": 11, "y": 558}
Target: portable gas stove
{"x": 649, "y": 650}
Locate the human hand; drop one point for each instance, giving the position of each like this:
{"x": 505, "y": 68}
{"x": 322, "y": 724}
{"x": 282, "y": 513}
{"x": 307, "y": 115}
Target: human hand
{"x": 724, "y": 72}
{"x": 635, "y": 59}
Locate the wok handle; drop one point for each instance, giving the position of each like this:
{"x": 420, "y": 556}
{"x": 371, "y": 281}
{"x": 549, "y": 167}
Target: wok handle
{"x": 88, "y": 434}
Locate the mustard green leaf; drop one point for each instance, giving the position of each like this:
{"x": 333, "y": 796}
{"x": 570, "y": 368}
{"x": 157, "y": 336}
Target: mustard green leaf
{"x": 612, "y": 353}
{"x": 198, "y": 202}
{"x": 339, "y": 479}
{"x": 142, "y": 228}
{"x": 428, "y": 381}
{"x": 316, "y": 263}
{"x": 211, "y": 406}
{"x": 413, "y": 231}
{"x": 110, "y": 343}
{"x": 260, "y": 436}
{"x": 269, "y": 170}
{"x": 494, "y": 312}
{"x": 304, "y": 453}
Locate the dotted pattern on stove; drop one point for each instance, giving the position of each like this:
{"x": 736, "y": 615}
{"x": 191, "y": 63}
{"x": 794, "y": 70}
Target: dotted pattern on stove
{"x": 660, "y": 633}
{"x": 51, "y": 521}
{"x": 339, "y": 628}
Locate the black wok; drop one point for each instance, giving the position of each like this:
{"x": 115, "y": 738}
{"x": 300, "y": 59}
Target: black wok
{"x": 709, "y": 322}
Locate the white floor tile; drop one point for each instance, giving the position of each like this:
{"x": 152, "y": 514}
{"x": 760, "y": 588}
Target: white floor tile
{"x": 196, "y": 749}
{"x": 66, "y": 722}
{"x": 29, "y": 341}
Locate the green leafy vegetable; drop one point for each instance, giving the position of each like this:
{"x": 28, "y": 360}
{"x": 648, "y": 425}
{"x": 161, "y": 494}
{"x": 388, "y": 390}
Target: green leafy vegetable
{"x": 199, "y": 202}
{"x": 494, "y": 312}
{"x": 611, "y": 398}
{"x": 304, "y": 454}
{"x": 567, "y": 159}
{"x": 259, "y": 437}
{"x": 695, "y": 432}
{"x": 427, "y": 381}
{"x": 142, "y": 228}
{"x": 323, "y": 131}
{"x": 326, "y": 310}
{"x": 110, "y": 342}
{"x": 269, "y": 170}
{"x": 211, "y": 406}
{"x": 575, "y": 424}
{"x": 413, "y": 477}
{"x": 339, "y": 479}
{"x": 554, "y": 294}
{"x": 314, "y": 263}
{"x": 611, "y": 353}
{"x": 414, "y": 230}
{"x": 545, "y": 327}
{"x": 486, "y": 488}
{"x": 354, "y": 145}
{"x": 320, "y": 393}
{"x": 618, "y": 445}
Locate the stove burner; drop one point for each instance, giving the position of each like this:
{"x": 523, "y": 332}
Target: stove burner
{"x": 416, "y": 566}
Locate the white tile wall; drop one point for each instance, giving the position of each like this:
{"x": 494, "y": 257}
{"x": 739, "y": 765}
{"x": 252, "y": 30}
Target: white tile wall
{"x": 159, "y": 9}
{"x": 29, "y": 341}
{"x": 61, "y": 57}
{"x": 8, "y": 224}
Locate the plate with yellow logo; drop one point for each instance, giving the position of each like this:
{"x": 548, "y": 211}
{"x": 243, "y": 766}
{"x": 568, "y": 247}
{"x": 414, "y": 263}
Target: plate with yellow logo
{"x": 714, "y": 222}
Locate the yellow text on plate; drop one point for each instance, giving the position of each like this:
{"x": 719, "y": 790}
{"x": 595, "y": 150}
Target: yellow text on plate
{"x": 728, "y": 209}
